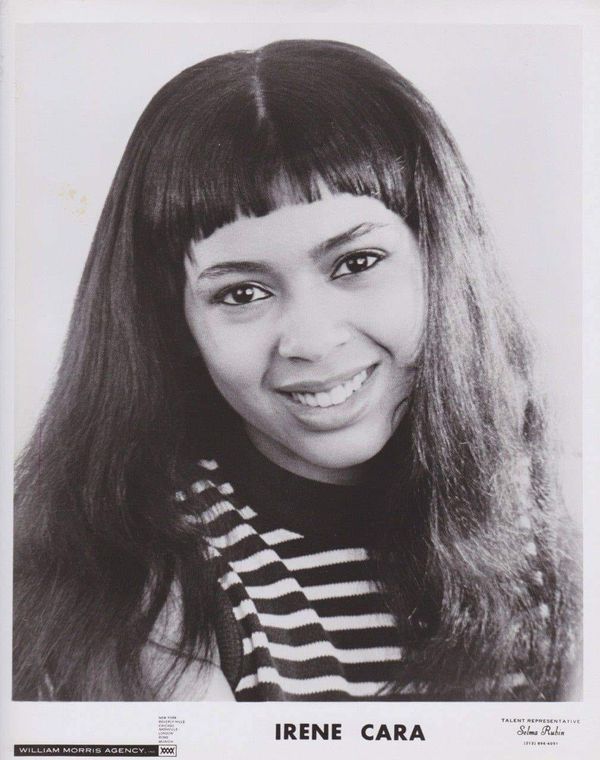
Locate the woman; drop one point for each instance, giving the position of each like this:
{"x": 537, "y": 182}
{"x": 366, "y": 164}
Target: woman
{"x": 295, "y": 448}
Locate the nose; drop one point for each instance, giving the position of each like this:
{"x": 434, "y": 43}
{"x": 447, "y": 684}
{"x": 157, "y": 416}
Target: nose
{"x": 310, "y": 330}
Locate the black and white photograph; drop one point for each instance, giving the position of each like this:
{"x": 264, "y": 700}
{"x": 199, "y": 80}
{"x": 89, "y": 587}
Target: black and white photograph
{"x": 298, "y": 412}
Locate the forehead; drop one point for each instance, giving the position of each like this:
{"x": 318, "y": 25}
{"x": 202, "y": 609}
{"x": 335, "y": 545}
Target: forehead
{"x": 296, "y": 227}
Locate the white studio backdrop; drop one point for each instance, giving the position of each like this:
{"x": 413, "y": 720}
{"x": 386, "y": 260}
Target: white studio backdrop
{"x": 511, "y": 96}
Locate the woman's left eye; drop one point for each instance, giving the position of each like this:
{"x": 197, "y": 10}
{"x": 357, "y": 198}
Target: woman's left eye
{"x": 355, "y": 263}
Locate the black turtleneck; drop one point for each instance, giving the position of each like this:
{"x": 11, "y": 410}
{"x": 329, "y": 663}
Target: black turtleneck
{"x": 349, "y": 514}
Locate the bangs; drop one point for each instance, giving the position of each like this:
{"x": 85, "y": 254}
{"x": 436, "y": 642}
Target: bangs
{"x": 272, "y": 170}
{"x": 259, "y": 145}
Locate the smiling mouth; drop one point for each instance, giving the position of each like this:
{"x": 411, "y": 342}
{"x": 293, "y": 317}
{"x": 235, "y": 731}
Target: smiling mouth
{"x": 335, "y": 396}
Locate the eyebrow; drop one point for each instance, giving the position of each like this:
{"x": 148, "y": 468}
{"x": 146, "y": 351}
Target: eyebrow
{"x": 234, "y": 267}
{"x": 347, "y": 236}
{"x": 259, "y": 267}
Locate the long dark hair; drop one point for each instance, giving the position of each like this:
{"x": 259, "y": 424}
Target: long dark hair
{"x": 474, "y": 554}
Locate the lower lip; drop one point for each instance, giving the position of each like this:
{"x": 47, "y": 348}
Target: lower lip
{"x": 324, "y": 418}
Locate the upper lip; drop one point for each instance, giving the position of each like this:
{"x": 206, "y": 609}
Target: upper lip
{"x": 320, "y": 385}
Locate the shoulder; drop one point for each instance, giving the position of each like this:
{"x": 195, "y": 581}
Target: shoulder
{"x": 178, "y": 680}
{"x": 202, "y": 482}
{"x": 181, "y": 676}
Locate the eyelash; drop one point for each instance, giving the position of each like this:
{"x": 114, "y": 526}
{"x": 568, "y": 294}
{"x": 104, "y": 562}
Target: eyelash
{"x": 371, "y": 259}
{"x": 377, "y": 257}
{"x": 222, "y": 296}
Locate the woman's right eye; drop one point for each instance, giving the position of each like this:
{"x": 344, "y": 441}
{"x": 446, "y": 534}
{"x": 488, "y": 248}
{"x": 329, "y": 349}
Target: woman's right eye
{"x": 241, "y": 295}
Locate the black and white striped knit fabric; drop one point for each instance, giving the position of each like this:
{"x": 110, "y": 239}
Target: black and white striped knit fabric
{"x": 292, "y": 565}
{"x": 312, "y": 623}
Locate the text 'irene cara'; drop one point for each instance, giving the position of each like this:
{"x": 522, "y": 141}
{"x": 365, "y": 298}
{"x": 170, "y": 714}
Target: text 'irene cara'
{"x": 333, "y": 731}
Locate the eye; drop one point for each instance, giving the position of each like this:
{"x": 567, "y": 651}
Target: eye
{"x": 241, "y": 295}
{"x": 355, "y": 263}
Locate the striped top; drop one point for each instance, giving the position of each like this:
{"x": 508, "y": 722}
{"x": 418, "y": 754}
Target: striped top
{"x": 312, "y": 623}
{"x": 307, "y": 614}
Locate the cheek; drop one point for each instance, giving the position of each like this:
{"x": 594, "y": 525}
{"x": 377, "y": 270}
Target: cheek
{"x": 235, "y": 358}
{"x": 398, "y": 321}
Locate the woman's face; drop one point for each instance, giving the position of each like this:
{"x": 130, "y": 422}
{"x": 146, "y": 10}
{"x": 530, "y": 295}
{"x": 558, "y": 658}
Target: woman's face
{"x": 309, "y": 320}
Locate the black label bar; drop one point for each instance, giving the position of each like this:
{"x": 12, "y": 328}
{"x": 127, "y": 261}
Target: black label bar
{"x": 87, "y": 750}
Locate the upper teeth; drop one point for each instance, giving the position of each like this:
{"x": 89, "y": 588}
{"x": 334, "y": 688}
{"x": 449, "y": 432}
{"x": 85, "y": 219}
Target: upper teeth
{"x": 335, "y": 396}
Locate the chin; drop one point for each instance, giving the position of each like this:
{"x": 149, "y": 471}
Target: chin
{"x": 345, "y": 452}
